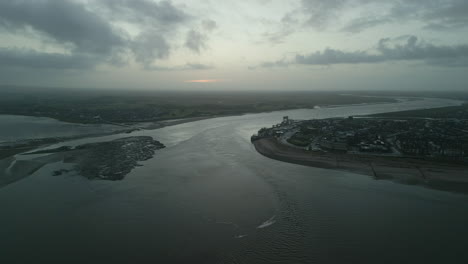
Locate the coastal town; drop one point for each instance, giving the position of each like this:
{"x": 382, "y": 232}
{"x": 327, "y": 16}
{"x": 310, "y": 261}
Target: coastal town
{"x": 428, "y": 138}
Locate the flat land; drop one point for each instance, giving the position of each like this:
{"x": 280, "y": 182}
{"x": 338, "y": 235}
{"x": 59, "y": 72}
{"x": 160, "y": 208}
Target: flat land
{"x": 449, "y": 112}
{"x": 86, "y": 106}
{"x": 108, "y": 160}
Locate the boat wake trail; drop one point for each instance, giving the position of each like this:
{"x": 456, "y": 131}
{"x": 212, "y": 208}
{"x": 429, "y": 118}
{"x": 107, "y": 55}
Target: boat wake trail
{"x": 268, "y": 222}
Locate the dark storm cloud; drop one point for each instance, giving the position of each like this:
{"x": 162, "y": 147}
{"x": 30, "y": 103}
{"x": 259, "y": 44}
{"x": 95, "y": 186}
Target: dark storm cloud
{"x": 435, "y": 14}
{"x": 87, "y": 32}
{"x": 10, "y": 57}
{"x": 386, "y": 50}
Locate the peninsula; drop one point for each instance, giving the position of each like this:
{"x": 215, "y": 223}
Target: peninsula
{"x": 408, "y": 147}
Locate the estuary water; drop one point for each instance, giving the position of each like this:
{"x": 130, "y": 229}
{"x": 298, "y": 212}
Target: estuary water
{"x": 16, "y": 127}
{"x": 209, "y": 197}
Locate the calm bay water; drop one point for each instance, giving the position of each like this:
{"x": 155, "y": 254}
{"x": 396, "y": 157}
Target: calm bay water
{"x": 209, "y": 197}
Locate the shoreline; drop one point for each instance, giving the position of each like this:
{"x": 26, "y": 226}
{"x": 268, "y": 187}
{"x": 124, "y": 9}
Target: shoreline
{"x": 131, "y": 123}
{"x": 150, "y": 125}
{"x": 7, "y": 155}
{"x": 435, "y": 175}
{"x": 107, "y": 160}
{"x": 26, "y": 145}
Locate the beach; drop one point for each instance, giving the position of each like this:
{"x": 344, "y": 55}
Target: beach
{"x": 438, "y": 175}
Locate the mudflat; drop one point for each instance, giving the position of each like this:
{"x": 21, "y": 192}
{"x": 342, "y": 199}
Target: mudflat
{"x": 438, "y": 175}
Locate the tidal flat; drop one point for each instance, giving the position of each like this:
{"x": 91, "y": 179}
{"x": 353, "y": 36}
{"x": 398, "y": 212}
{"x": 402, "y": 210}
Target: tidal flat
{"x": 109, "y": 160}
{"x": 437, "y": 175}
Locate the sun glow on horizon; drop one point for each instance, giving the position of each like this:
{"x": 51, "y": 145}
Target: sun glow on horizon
{"x": 204, "y": 81}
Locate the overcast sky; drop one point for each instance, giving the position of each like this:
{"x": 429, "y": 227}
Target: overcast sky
{"x": 256, "y": 44}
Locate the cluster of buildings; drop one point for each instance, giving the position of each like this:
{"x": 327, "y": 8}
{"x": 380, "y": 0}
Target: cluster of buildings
{"x": 444, "y": 138}
{"x": 440, "y": 138}
{"x": 277, "y": 130}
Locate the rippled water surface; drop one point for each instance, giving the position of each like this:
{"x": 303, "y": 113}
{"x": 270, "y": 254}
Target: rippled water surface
{"x": 209, "y": 197}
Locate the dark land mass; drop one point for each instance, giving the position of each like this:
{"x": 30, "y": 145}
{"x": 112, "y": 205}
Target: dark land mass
{"x": 86, "y": 106}
{"x": 9, "y": 149}
{"x": 110, "y": 160}
{"x": 427, "y": 147}
{"x": 455, "y": 95}
{"x": 442, "y": 175}
{"x": 449, "y": 112}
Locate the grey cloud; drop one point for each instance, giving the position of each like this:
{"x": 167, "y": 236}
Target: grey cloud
{"x": 321, "y": 12}
{"x": 158, "y": 19}
{"x": 196, "y": 41}
{"x": 279, "y": 36}
{"x": 332, "y": 56}
{"x": 63, "y": 21}
{"x": 450, "y": 16}
{"x": 85, "y": 30}
{"x": 435, "y": 14}
{"x": 272, "y": 64}
{"x": 386, "y": 50}
{"x": 186, "y": 67}
{"x": 150, "y": 46}
{"x": 209, "y": 25}
{"x": 11, "y": 57}
{"x": 148, "y": 12}
{"x": 363, "y": 23}
{"x": 318, "y": 14}
{"x": 288, "y": 26}
{"x": 416, "y": 50}
{"x": 197, "y": 66}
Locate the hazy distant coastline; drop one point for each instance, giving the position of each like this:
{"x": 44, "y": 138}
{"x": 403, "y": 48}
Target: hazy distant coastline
{"x": 124, "y": 109}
